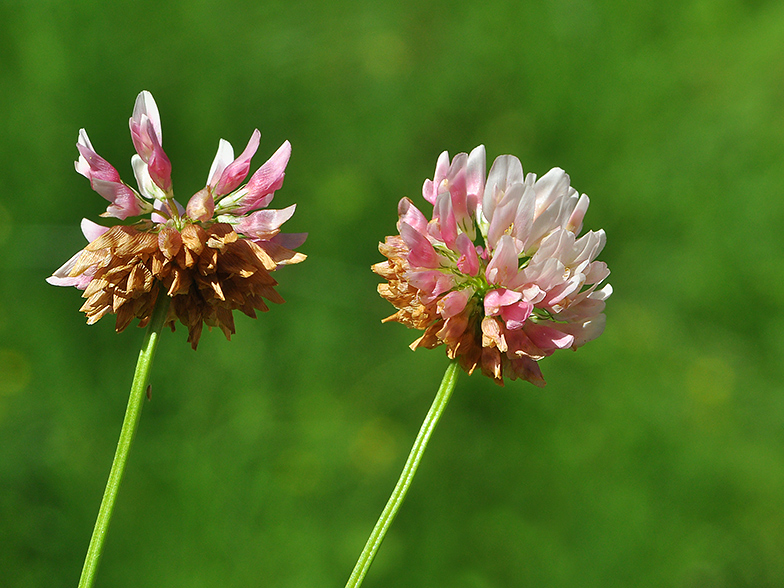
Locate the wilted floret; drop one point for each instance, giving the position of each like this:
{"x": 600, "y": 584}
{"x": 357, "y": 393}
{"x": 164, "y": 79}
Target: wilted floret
{"x": 211, "y": 257}
{"x": 498, "y": 274}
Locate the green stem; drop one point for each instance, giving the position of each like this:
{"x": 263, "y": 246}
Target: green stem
{"x": 140, "y": 379}
{"x": 406, "y": 477}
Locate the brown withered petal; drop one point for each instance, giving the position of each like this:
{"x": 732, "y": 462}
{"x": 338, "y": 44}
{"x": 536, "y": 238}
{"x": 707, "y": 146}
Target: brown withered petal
{"x": 208, "y": 272}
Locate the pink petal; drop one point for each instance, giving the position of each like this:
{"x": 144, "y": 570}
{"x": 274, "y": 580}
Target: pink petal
{"x": 499, "y": 297}
{"x": 124, "y": 202}
{"x": 456, "y": 179}
{"x": 503, "y": 267}
{"x": 90, "y": 164}
{"x": 558, "y": 293}
{"x": 431, "y": 188}
{"x": 590, "y": 245}
{"x": 454, "y": 303}
{"x": 91, "y": 230}
{"x": 421, "y": 252}
{"x": 515, "y": 315}
{"x": 429, "y": 191}
{"x": 412, "y": 216}
{"x": 158, "y": 163}
{"x": 546, "y": 274}
{"x": 430, "y": 283}
{"x": 148, "y": 140}
{"x": 147, "y": 187}
{"x": 145, "y": 106}
{"x": 443, "y": 226}
{"x": 582, "y": 310}
{"x": 468, "y": 263}
{"x": 268, "y": 178}
{"x": 265, "y": 223}
{"x": 105, "y": 180}
{"x": 597, "y": 272}
{"x": 233, "y": 175}
{"x": 548, "y": 338}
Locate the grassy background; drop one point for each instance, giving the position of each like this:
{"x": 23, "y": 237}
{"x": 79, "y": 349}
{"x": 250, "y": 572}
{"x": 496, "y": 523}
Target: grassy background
{"x": 654, "y": 457}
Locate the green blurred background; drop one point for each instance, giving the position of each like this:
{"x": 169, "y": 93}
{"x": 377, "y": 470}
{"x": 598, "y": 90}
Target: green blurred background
{"x": 654, "y": 457}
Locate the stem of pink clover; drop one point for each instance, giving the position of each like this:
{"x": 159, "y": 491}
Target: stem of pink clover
{"x": 141, "y": 377}
{"x": 406, "y": 477}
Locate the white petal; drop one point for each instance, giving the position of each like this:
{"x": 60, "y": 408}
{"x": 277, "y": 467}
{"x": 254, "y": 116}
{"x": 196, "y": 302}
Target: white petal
{"x": 506, "y": 170}
{"x": 147, "y": 187}
{"x": 223, "y": 158}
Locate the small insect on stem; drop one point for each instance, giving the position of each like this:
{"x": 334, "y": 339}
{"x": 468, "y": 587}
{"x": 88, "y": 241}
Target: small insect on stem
{"x": 149, "y": 391}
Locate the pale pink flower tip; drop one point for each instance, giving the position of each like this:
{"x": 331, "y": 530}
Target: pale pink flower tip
{"x": 499, "y": 275}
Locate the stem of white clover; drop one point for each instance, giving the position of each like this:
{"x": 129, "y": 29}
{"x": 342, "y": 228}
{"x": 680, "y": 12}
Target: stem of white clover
{"x": 406, "y": 477}
{"x": 141, "y": 377}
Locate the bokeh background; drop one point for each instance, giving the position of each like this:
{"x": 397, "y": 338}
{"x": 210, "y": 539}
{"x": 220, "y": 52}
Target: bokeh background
{"x": 655, "y": 455}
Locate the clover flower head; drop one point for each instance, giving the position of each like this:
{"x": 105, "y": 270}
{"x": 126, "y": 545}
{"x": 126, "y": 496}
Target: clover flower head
{"x": 212, "y": 256}
{"x": 499, "y": 273}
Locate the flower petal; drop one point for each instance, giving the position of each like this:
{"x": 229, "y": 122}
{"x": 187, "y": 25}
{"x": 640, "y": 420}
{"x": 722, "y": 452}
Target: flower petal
{"x": 159, "y": 164}
{"x": 475, "y": 175}
{"x": 503, "y": 267}
{"x": 548, "y": 338}
{"x": 145, "y": 106}
{"x": 147, "y": 187}
{"x": 411, "y": 215}
{"x": 506, "y": 171}
{"x": 468, "y": 263}
{"x": 236, "y": 171}
{"x": 201, "y": 206}
{"x": 268, "y": 178}
{"x": 454, "y": 303}
{"x": 91, "y": 230}
{"x": 289, "y": 240}
{"x": 266, "y": 223}
{"x": 443, "y": 226}
{"x": 430, "y": 283}
{"x": 575, "y": 222}
{"x": 515, "y": 315}
{"x": 431, "y": 188}
{"x": 90, "y": 164}
{"x": 499, "y": 297}
{"x": 421, "y": 252}
{"x": 504, "y": 213}
{"x": 147, "y": 138}
{"x": 61, "y": 276}
{"x": 223, "y": 158}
